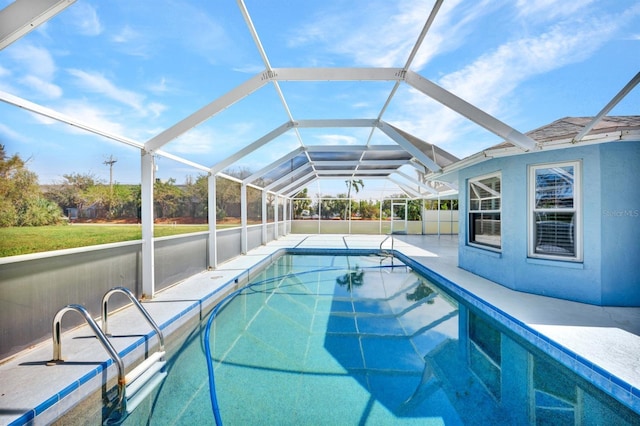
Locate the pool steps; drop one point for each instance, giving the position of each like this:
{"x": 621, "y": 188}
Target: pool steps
{"x": 132, "y": 388}
{"x": 149, "y": 377}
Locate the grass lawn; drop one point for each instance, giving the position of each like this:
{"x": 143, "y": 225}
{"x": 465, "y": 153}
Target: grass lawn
{"x": 24, "y": 240}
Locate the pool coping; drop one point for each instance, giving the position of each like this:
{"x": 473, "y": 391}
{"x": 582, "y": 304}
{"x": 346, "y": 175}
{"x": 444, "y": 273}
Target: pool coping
{"x": 147, "y": 339}
{"x": 607, "y": 382}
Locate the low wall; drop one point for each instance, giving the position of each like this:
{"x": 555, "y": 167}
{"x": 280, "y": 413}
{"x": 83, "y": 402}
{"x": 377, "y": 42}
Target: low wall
{"x": 229, "y": 244}
{"x": 33, "y": 288}
{"x": 179, "y": 257}
{"x": 443, "y": 222}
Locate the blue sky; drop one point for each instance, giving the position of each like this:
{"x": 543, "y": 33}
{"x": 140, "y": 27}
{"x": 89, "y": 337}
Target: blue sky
{"x": 136, "y": 68}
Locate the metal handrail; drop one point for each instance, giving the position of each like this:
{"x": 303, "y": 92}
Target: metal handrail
{"x": 383, "y": 241}
{"x": 130, "y": 295}
{"x": 57, "y": 344}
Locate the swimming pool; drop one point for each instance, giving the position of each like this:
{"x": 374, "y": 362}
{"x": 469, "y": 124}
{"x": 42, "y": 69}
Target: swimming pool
{"x": 366, "y": 340}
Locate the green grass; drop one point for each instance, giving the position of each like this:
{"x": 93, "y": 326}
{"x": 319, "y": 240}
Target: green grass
{"x": 24, "y": 240}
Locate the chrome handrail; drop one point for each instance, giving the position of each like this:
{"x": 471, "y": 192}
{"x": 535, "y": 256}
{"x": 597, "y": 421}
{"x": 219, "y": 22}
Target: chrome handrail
{"x": 130, "y": 295}
{"x": 57, "y": 344}
{"x": 383, "y": 241}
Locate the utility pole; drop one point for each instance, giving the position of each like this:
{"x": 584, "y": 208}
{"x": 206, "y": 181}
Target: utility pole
{"x": 110, "y": 162}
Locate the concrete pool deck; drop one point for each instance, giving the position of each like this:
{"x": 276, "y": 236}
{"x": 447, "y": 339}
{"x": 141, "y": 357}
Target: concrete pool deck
{"x": 606, "y": 339}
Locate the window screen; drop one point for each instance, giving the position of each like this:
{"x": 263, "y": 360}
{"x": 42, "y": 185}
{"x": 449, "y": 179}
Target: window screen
{"x": 485, "y": 211}
{"x": 554, "y": 212}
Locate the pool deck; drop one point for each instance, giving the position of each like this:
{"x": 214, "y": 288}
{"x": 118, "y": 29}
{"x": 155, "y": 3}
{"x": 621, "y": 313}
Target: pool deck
{"x": 605, "y": 340}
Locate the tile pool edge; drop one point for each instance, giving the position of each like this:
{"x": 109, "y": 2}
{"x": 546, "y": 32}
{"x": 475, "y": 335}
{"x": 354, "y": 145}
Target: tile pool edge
{"x": 197, "y": 308}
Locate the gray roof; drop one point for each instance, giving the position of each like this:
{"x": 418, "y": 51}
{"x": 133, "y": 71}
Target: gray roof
{"x": 568, "y": 128}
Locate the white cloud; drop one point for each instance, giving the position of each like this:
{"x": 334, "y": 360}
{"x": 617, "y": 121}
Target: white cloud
{"x": 98, "y": 83}
{"x": 125, "y": 35}
{"x": 11, "y": 134}
{"x": 35, "y": 60}
{"x": 41, "y": 86}
{"x": 452, "y": 27}
{"x": 132, "y": 43}
{"x": 491, "y": 77}
{"x": 196, "y": 141}
{"x": 37, "y": 69}
{"x": 490, "y": 82}
{"x": 545, "y": 10}
{"x": 337, "y": 139}
{"x": 370, "y": 36}
{"x": 85, "y": 19}
{"x": 87, "y": 113}
{"x": 156, "y": 108}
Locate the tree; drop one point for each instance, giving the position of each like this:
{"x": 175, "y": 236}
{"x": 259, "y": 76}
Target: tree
{"x": 356, "y": 185}
{"x": 21, "y": 200}
{"x": 301, "y": 201}
{"x": 72, "y": 191}
{"x": 369, "y": 209}
{"x": 196, "y": 194}
{"x": 167, "y": 197}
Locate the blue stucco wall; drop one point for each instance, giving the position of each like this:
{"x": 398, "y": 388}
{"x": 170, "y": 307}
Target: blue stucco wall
{"x": 620, "y": 221}
{"x": 608, "y": 274}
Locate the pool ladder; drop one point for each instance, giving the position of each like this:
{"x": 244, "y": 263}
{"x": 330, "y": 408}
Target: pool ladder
{"x": 384, "y": 241}
{"x": 132, "y": 388}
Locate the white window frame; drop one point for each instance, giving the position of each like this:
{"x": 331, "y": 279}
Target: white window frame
{"x": 470, "y": 211}
{"x": 576, "y": 209}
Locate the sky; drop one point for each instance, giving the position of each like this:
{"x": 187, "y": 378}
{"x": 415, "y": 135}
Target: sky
{"x": 137, "y": 68}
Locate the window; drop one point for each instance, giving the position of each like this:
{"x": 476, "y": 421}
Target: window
{"x": 555, "y": 222}
{"x": 484, "y": 210}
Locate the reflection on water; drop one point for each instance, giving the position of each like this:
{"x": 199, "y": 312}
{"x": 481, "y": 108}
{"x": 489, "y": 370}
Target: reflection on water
{"x": 351, "y": 279}
{"x": 323, "y": 342}
{"x": 422, "y": 291}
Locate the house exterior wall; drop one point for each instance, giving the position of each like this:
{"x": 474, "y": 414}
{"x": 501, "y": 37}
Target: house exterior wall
{"x": 620, "y": 223}
{"x": 607, "y": 274}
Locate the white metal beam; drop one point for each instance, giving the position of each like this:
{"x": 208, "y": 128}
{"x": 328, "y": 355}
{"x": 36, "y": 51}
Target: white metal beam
{"x": 55, "y": 115}
{"x": 264, "y": 217}
{"x": 334, "y": 163}
{"x": 352, "y": 148}
{"x": 410, "y": 191}
{"x": 338, "y": 123}
{"x": 23, "y": 16}
{"x": 293, "y": 154}
{"x": 147, "y": 180}
{"x": 469, "y": 111}
{"x": 408, "y": 146}
{"x": 303, "y": 180}
{"x": 289, "y": 175}
{"x": 207, "y": 111}
{"x": 617, "y": 98}
{"x": 183, "y": 161}
{"x": 243, "y": 219}
{"x": 337, "y": 74}
{"x": 213, "y": 222}
{"x": 297, "y": 189}
{"x": 417, "y": 182}
{"x": 250, "y": 148}
{"x": 62, "y": 118}
{"x": 356, "y": 172}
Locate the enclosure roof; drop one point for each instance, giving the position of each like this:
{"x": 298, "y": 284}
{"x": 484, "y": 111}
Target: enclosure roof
{"x": 293, "y": 94}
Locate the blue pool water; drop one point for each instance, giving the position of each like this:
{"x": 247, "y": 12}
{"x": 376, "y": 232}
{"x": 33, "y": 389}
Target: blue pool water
{"x": 344, "y": 340}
